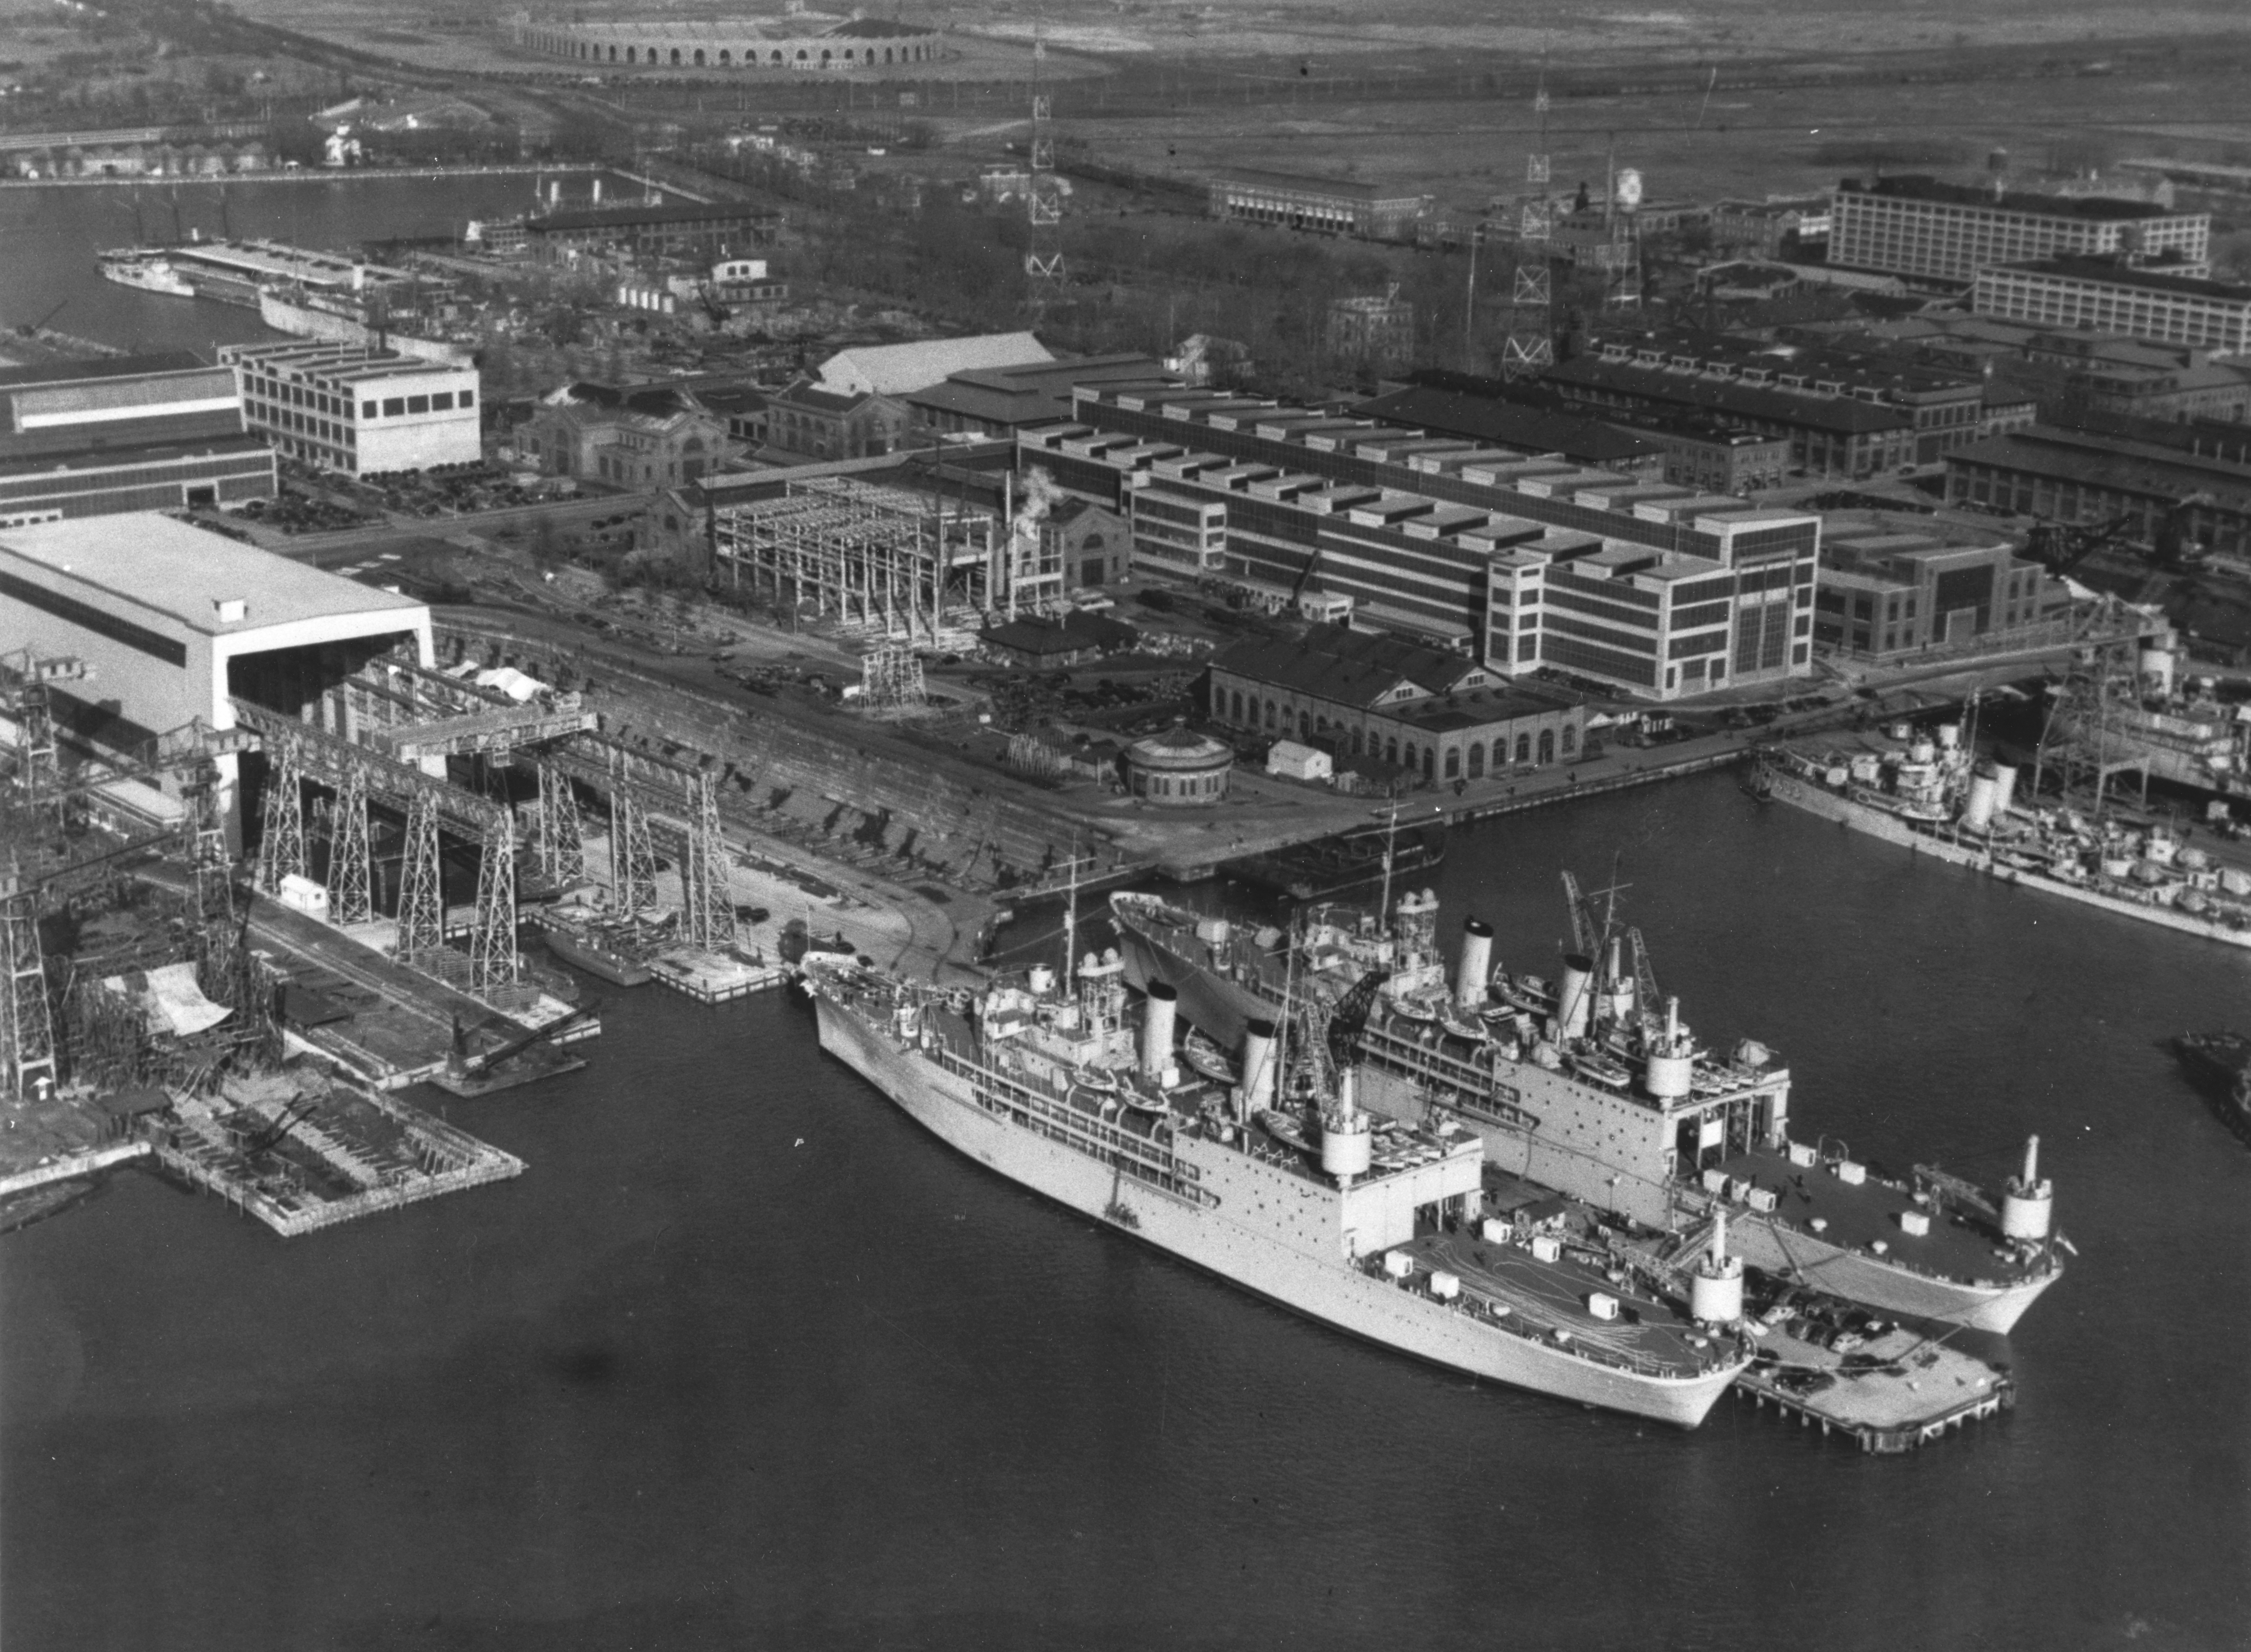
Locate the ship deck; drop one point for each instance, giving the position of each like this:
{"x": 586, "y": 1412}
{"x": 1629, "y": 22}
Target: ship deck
{"x": 1552, "y": 1297}
{"x": 1963, "y": 1244}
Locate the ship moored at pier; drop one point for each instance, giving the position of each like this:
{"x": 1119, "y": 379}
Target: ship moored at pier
{"x": 1282, "y": 1185}
{"x": 1593, "y": 1086}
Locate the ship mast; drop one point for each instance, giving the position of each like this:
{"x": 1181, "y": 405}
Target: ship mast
{"x": 1070, "y": 922}
{"x": 1390, "y": 844}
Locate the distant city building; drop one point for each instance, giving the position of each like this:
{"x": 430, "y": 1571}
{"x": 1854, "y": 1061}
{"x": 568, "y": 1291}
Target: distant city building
{"x": 1202, "y": 359}
{"x": 814, "y": 421}
{"x": 135, "y": 432}
{"x": 352, "y": 408}
{"x": 998, "y": 401}
{"x": 1846, "y": 413}
{"x": 1373, "y": 329}
{"x": 642, "y": 436}
{"x": 2109, "y": 296}
{"x": 1885, "y": 593}
{"x": 699, "y": 231}
{"x": 1947, "y": 232}
{"x": 1327, "y": 207}
{"x": 798, "y": 42}
{"x": 1521, "y": 417}
{"x": 895, "y": 370}
{"x": 1762, "y": 228}
{"x": 2089, "y": 478}
{"x": 1433, "y": 713}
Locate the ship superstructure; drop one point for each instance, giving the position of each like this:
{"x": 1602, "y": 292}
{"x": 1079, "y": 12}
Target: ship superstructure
{"x": 1591, "y": 1083}
{"x": 1283, "y": 1183}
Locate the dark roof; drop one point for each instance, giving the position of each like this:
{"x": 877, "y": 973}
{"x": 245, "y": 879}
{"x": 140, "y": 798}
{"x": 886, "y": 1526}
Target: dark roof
{"x": 108, "y": 367}
{"x": 1485, "y": 417}
{"x": 1729, "y": 398}
{"x": 129, "y": 454}
{"x": 1073, "y": 633}
{"x": 610, "y": 217}
{"x": 1348, "y": 667}
{"x": 2096, "y": 209}
{"x": 126, "y": 1103}
{"x": 2118, "y": 273}
{"x": 806, "y": 393}
{"x": 658, "y": 401}
{"x": 2123, "y": 466}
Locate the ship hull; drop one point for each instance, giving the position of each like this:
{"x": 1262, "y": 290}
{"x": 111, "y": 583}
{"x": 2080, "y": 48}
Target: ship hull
{"x": 1329, "y": 1291}
{"x": 1801, "y": 793}
{"x": 1859, "y": 1278}
{"x": 1222, "y": 1007}
{"x": 612, "y": 967}
{"x": 148, "y": 278}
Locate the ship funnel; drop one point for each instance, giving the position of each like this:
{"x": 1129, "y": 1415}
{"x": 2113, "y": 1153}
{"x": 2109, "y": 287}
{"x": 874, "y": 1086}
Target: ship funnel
{"x": 1575, "y": 1001}
{"x": 2005, "y": 787}
{"x": 1474, "y": 977}
{"x": 2156, "y": 664}
{"x": 1984, "y": 802}
{"x": 2027, "y": 1203}
{"x": 1672, "y": 1020}
{"x": 1158, "y": 1014}
{"x": 1716, "y": 1289}
{"x": 598, "y": 191}
{"x": 554, "y": 193}
{"x": 1258, "y": 1064}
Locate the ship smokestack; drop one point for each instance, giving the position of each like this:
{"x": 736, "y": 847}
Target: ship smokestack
{"x": 2031, "y": 1160}
{"x": 2028, "y": 1204}
{"x": 1474, "y": 977}
{"x": 1259, "y": 1074}
{"x": 1158, "y": 1015}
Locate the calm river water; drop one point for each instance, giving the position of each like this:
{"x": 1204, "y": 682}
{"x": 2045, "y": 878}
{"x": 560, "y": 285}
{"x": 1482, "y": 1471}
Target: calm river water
{"x": 746, "y": 1359}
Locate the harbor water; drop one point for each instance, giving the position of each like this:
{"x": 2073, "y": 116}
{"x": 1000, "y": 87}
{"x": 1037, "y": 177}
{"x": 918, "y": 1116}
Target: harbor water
{"x": 746, "y": 1359}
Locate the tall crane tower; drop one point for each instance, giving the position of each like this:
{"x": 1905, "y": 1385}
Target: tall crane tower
{"x": 1043, "y": 194}
{"x": 1530, "y": 347}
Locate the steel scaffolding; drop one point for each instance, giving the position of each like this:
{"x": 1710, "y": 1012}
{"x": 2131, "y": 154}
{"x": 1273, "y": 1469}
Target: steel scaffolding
{"x": 281, "y": 845}
{"x": 707, "y": 917}
{"x": 27, "y": 1032}
{"x": 633, "y": 857}
{"x": 878, "y": 557}
{"x": 493, "y": 960}
{"x": 557, "y": 847}
{"x": 421, "y": 883}
{"x": 206, "y": 833}
{"x": 349, "y": 899}
{"x": 25, "y": 679}
{"x": 891, "y": 679}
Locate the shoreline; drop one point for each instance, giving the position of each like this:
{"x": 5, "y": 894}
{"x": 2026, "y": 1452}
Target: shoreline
{"x": 320, "y": 174}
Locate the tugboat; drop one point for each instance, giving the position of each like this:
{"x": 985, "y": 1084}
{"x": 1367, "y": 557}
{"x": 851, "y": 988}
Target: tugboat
{"x": 2220, "y": 1065}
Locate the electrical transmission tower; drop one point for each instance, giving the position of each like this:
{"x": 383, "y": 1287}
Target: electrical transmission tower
{"x": 348, "y": 898}
{"x": 492, "y": 934}
{"x": 421, "y": 886}
{"x": 1530, "y": 349}
{"x": 1043, "y": 189}
{"x": 281, "y": 848}
{"x": 707, "y": 916}
{"x": 557, "y": 847}
{"x": 27, "y": 1032}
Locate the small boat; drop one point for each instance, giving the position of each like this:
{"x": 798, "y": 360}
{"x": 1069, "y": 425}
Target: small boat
{"x": 1600, "y": 1070}
{"x": 2219, "y": 1063}
{"x": 1284, "y": 1128}
{"x": 1462, "y": 1024}
{"x": 1142, "y": 1102}
{"x": 1328, "y": 867}
{"x": 589, "y": 951}
{"x": 1199, "y": 1052}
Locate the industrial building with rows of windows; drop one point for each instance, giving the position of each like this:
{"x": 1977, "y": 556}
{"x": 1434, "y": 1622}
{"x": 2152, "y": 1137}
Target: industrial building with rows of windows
{"x": 2108, "y": 296}
{"x": 1523, "y": 562}
{"x": 353, "y": 408}
{"x": 1919, "y": 227}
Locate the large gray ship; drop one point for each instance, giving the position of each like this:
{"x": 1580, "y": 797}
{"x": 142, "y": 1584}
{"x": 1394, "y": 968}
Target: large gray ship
{"x": 1591, "y": 1085}
{"x": 1284, "y": 1186}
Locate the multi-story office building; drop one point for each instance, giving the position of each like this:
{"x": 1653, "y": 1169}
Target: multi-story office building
{"x": 705, "y": 231}
{"x": 1884, "y": 594}
{"x": 2109, "y": 296}
{"x": 137, "y": 432}
{"x": 351, "y": 408}
{"x": 1525, "y": 563}
{"x": 1331, "y": 206}
{"x": 1946, "y": 232}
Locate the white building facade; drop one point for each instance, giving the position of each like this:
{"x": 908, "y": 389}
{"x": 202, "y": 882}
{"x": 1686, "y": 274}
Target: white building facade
{"x": 357, "y": 408}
